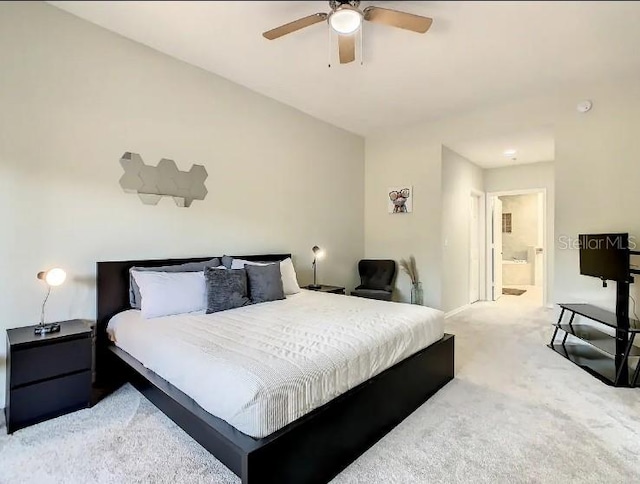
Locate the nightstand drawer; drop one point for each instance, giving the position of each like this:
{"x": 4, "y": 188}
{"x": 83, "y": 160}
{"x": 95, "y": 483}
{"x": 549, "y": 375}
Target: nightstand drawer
{"x": 50, "y": 360}
{"x": 51, "y": 398}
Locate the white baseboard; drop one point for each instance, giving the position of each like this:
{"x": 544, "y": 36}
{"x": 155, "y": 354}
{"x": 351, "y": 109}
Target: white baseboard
{"x": 453, "y": 312}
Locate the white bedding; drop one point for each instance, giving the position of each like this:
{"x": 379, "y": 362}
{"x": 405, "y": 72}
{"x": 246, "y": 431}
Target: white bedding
{"x": 261, "y": 367}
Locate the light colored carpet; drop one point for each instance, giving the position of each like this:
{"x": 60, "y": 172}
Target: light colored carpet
{"x": 516, "y": 412}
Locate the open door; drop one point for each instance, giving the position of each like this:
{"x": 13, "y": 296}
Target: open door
{"x": 496, "y": 247}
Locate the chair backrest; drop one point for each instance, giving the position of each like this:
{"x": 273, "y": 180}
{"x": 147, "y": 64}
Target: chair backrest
{"x": 376, "y": 273}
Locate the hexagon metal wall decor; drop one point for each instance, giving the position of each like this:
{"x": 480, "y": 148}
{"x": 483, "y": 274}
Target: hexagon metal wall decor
{"x": 151, "y": 183}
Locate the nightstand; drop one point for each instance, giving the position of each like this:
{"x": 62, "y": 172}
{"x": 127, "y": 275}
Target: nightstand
{"x": 49, "y": 375}
{"x": 324, "y": 288}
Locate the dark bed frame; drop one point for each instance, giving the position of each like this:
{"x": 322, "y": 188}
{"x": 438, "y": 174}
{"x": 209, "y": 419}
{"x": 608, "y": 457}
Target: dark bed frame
{"x": 312, "y": 449}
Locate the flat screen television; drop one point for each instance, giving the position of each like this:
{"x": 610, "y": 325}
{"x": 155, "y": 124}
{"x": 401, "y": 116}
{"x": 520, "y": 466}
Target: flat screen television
{"x": 605, "y": 256}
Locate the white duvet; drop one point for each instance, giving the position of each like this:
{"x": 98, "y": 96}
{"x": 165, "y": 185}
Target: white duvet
{"x": 261, "y": 367}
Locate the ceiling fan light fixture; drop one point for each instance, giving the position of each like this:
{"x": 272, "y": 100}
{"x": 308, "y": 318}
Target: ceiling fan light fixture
{"x": 345, "y": 20}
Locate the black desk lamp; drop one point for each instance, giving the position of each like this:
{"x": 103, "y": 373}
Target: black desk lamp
{"x": 52, "y": 277}
{"x": 317, "y": 254}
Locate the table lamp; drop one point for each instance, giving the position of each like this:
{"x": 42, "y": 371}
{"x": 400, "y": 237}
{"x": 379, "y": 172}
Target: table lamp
{"x": 52, "y": 277}
{"x": 318, "y": 253}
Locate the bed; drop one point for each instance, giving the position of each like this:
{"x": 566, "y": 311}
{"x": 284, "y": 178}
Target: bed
{"x": 295, "y": 389}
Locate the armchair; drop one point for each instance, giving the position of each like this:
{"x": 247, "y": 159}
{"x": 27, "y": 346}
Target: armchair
{"x": 376, "y": 279}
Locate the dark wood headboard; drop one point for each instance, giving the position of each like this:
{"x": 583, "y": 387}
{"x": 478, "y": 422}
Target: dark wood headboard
{"x": 113, "y": 286}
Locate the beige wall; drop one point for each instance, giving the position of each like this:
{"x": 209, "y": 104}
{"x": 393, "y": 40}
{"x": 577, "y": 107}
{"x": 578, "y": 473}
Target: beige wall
{"x": 596, "y": 174}
{"x": 460, "y": 178}
{"x": 75, "y": 97}
{"x": 394, "y": 161}
{"x": 521, "y": 177}
{"x": 597, "y": 181}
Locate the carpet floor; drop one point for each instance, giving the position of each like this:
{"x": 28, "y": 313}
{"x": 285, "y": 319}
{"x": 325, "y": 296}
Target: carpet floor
{"x": 515, "y": 413}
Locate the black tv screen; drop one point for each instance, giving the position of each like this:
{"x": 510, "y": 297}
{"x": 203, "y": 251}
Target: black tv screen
{"x": 605, "y": 256}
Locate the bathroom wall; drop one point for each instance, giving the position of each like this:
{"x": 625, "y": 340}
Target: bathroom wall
{"x": 524, "y": 225}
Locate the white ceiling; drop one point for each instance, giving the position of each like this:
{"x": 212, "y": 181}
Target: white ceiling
{"x": 476, "y": 53}
{"x": 531, "y": 146}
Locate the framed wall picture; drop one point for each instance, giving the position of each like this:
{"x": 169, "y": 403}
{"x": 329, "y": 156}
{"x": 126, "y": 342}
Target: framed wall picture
{"x": 400, "y": 199}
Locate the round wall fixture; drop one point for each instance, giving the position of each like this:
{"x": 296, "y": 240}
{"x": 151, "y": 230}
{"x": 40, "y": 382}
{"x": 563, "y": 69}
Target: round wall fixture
{"x": 584, "y": 106}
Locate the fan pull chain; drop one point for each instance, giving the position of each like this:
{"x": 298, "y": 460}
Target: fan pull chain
{"x": 361, "y": 45}
{"x": 329, "y": 49}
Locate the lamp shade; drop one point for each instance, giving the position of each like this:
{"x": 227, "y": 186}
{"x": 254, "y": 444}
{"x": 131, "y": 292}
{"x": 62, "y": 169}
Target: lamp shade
{"x": 317, "y": 252}
{"x": 346, "y": 20}
{"x": 53, "y": 277}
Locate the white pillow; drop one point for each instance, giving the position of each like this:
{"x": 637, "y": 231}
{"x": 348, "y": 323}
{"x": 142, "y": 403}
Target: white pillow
{"x": 289, "y": 278}
{"x": 166, "y": 293}
{"x": 240, "y": 263}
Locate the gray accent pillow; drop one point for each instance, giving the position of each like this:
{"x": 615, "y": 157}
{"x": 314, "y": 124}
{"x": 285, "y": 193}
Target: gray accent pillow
{"x": 226, "y": 289}
{"x": 135, "y": 299}
{"x": 227, "y": 261}
{"x": 265, "y": 283}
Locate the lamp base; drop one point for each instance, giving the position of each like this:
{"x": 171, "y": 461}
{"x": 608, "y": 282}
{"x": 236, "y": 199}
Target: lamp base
{"x": 46, "y": 328}
{"x": 314, "y": 286}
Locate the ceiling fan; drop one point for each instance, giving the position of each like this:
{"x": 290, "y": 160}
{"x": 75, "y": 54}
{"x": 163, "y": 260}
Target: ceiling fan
{"x": 346, "y": 19}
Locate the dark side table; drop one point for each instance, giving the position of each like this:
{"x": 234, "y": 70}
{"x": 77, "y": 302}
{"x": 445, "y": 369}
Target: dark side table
{"x": 325, "y": 288}
{"x": 48, "y": 375}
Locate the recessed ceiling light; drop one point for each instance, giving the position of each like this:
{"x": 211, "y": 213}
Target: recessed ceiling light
{"x": 509, "y": 152}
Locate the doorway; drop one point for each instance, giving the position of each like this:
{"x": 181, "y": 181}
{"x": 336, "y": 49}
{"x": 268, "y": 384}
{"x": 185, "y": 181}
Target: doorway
{"x": 516, "y": 247}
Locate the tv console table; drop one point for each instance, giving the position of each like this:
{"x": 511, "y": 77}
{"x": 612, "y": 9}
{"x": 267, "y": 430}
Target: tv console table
{"x": 604, "y": 356}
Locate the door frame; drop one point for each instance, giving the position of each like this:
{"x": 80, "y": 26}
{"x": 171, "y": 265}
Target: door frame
{"x": 545, "y": 232}
{"x": 496, "y": 249}
{"x": 481, "y": 229}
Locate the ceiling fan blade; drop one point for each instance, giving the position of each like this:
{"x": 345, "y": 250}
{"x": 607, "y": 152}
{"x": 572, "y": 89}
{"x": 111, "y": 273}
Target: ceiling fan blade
{"x": 301, "y": 23}
{"x": 403, "y": 20}
{"x": 347, "y": 48}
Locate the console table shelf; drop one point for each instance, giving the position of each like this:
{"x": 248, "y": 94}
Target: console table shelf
{"x": 592, "y": 335}
{"x": 591, "y": 360}
{"x": 600, "y": 315}
{"x": 608, "y": 357}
